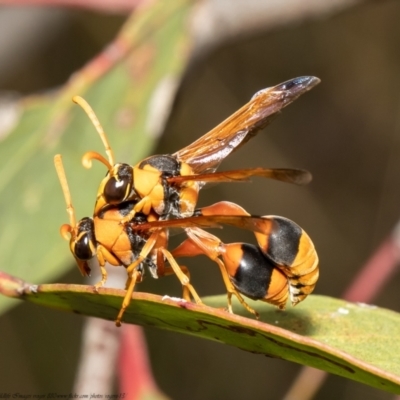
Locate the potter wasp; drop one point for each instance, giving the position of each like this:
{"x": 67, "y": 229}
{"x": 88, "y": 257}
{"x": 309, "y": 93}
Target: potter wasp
{"x": 283, "y": 264}
{"x": 169, "y": 184}
{"x": 137, "y": 206}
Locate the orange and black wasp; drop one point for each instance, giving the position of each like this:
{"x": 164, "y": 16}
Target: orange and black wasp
{"x": 136, "y": 207}
{"x": 283, "y": 264}
{"x": 105, "y": 238}
{"x": 169, "y": 184}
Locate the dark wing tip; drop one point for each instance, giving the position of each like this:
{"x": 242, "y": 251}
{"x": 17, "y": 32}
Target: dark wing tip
{"x": 288, "y": 91}
{"x": 296, "y": 176}
{"x": 303, "y": 178}
{"x": 298, "y": 85}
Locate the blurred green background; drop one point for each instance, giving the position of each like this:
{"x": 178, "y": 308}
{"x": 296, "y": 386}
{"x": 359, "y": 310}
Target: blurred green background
{"x": 346, "y": 132}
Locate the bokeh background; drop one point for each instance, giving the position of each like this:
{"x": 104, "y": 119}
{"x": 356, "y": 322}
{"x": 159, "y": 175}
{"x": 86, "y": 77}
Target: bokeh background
{"x": 346, "y": 131}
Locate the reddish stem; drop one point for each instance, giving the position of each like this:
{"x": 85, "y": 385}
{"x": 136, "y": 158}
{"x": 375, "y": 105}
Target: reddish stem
{"x": 375, "y": 273}
{"x": 135, "y": 375}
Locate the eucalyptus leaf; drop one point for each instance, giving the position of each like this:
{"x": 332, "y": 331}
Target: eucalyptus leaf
{"x": 355, "y": 341}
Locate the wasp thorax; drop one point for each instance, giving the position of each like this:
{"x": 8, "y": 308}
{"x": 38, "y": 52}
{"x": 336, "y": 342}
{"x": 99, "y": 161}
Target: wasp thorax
{"x": 83, "y": 246}
{"x": 119, "y": 185}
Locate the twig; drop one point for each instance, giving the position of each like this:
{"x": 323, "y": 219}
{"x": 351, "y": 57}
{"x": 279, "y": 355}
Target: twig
{"x": 100, "y": 344}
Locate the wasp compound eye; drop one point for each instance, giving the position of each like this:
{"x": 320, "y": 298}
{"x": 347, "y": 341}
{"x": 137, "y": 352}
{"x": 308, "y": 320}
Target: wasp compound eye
{"x": 84, "y": 249}
{"x": 115, "y": 191}
{"x": 119, "y": 185}
{"x": 84, "y": 245}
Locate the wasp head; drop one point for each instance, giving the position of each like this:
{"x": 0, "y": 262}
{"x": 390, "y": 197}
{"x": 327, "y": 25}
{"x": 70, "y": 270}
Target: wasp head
{"x": 82, "y": 242}
{"x": 116, "y": 187}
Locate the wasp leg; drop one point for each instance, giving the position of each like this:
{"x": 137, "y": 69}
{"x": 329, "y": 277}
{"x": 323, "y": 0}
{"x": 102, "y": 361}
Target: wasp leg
{"x": 103, "y": 256}
{"x": 145, "y": 206}
{"x": 134, "y": 274}
{"x": 222, "y": 208}
{"x": 231, "y": 290}
{"x": 202, "y": 242}
{"x": 103, "y": 278}
{"x": 152, "y": 196}
{"x": 181, "y": 272}
{"x": 164, "y": 270}
{"x": 185, "y": 290}
{"x": 183, "y": 278}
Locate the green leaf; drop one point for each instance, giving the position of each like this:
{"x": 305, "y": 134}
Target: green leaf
{"x": 142, "y": 65}
{"x": 355, "y": 341}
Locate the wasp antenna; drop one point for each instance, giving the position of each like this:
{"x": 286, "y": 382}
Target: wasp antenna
{"x": 95, "y": 121}
{"x": 64, "y": 185}
{"x": 93, "y": 155}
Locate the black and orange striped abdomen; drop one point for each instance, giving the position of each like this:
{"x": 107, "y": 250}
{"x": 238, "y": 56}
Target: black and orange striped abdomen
{"x": 289, "y": 247}
{"x": 254, "y": 275}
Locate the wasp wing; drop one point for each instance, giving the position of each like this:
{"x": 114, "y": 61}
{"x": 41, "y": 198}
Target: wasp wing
{"x": 206, "y": 153}
{"x": 289, "y": 175}
{"x": 263, "y": 225}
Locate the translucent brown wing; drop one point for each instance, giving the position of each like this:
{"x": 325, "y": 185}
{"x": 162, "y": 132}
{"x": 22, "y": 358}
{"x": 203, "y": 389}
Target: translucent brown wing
{"x": 263, "y": 225}
{"x": 296, "y": 176}
{"x": 206, "y": 153}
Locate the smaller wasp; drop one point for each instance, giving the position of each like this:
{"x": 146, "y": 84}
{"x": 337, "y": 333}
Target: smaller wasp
{"x": 106, "y": 239}
{"x": 169, "y": 184}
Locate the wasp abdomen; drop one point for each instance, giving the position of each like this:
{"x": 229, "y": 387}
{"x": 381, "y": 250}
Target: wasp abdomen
{"x": 282, "y": 245}
{"x": 254, "y": 275}
{"x": 293, "y": 252}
